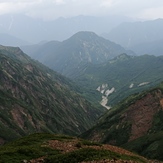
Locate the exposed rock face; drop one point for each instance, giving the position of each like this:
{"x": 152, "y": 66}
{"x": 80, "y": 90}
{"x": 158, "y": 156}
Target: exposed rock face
{"x": 20, "y": 115}
{"x": 128, "y": 121}
{"x": 141, "y": 114}
{"x": 136, "y": 124}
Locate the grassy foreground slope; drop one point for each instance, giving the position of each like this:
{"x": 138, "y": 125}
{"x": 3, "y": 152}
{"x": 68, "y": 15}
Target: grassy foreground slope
{"x": 50, "y": 148}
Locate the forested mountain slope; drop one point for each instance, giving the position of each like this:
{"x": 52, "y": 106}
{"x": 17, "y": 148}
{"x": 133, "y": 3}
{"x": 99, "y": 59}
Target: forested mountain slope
{"x": 34, "y": 98}
{"x": 121, "y": 76}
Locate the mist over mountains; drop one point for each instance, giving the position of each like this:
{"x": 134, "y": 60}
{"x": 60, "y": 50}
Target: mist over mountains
{"x": 141, "y": 37}
{"x": 72, "y": 54}
{"x": 6, "y": 39}
{"x": 34, "y": 30}
{"x": 85, "y": 74}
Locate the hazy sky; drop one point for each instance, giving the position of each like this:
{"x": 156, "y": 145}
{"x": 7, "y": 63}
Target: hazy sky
{"x": 51, "y": 9}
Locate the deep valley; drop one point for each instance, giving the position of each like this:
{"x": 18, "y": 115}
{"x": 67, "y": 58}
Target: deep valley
{"x": 87, "y": 98}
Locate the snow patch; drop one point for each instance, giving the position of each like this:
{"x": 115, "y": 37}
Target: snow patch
{"x": 142, "y": 84}
{"x": 108, "y": 92}
{"x": 48, "y": 75}
{"x": 104, "y": 102}
{"x": 132, "y": 85}
{"x": 103, "y": 89}
{"x": 98, "y": 89}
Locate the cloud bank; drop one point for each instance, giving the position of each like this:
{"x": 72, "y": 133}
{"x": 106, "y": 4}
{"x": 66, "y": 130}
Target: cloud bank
{"x": 51, "y": 9}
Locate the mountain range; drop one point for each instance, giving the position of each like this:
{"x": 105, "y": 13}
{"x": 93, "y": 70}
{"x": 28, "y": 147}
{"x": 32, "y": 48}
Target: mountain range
{"x": 100, "y": 66}
{"x": 122, "y": 76}
{"x": 142, "y": 37}
{"x": 133, "y": 35}
{"x": 37, "y": 99}
{"x": 34, "y": 98}
{"x": 34, "y": 30}
{"x": 75, "y": 53}
{"x": 152, "y": 48}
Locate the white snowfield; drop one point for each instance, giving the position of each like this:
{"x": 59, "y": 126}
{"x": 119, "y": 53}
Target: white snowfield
{"x": 103, "y": 89}
{"x": 139, "y": 85}
{"x": 104, "y": 102}
{"x": 132, "y": 85}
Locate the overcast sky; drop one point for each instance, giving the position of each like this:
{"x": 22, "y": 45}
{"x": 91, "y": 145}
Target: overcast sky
{"x": 51, "y": 9}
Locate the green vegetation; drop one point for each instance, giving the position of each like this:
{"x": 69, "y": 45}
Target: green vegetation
{"x": 31, "y": 147}
{"x": 79, "y": 57}
{"x": 120, "y": 73}
{"x": 37, "y": 145}
{"x": 89, "y": 154}
{"x": 151, "y": 146}
{"x": 36, "y": 99}
{"x": 88, "y": 143}
{"x": 116, "y": 126}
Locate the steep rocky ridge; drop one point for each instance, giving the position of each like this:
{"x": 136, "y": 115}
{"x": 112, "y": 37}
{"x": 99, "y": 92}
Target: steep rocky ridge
{"x": 34, "y": 98}
{"x": 135, "y": 123}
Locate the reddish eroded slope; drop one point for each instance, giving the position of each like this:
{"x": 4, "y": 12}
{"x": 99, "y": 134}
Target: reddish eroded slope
{"x": 129, "y": 120}
{"x": 142, "y": 112}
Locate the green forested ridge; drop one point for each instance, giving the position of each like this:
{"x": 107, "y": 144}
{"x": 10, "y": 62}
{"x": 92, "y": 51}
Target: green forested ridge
{"x": 37, "y": 99}
{"x": 91, "y": 61}
{"x": 135, "y": 124}
{"x": 120, "y": 73}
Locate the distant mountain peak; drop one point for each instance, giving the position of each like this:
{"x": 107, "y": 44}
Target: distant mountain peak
{"x": 82, "y": 48}
{"x": 85, "y": 32}
{"x": 14, "y": 53}
{"x": 85, "y": 35}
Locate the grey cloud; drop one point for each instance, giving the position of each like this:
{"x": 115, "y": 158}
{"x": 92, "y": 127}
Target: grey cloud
{"x": 50, "y": 9}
